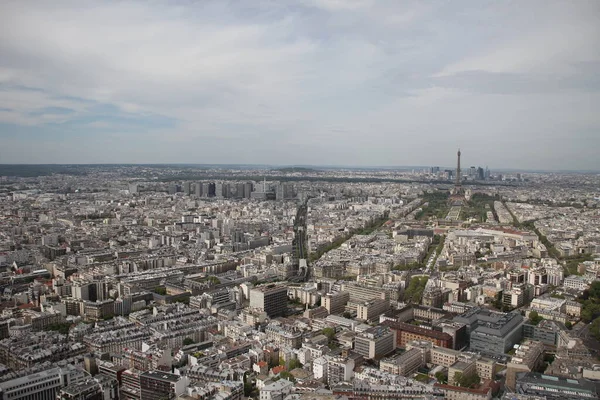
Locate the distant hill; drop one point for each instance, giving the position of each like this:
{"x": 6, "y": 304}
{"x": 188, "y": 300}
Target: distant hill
{"x": 288, "y": 170}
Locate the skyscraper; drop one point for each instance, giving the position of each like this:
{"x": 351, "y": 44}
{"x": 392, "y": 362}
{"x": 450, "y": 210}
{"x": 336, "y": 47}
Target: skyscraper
{"x": 480, "y": 174}
{"x": 219, "y": 189}
{"x": 239, "y": 193}
{"x": 205, "y": 189}
{"x": 248, "y": 187}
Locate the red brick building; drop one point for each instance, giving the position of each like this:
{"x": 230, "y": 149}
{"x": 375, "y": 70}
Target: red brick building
{"x": 407, "y": 332}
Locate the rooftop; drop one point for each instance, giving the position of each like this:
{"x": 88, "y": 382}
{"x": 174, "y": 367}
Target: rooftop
{"x": 160, "y": 375}
{"x": 417, "y": 330}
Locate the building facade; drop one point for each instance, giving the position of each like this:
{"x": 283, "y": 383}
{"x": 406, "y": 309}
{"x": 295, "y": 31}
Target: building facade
{"x": 271, "y": 299}
{"x": 158, "y": 385}
{"x": 375, "y": 342}
{"x": 406, "y": 333}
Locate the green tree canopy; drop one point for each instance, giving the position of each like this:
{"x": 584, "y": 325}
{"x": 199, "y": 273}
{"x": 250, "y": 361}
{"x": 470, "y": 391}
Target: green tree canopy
{"x": 287, "y": 375}
{"x": 594, "y": 290}
{"x": 466, "y": 381}
{"x": 160, "y": 290}
{"x": 293, "y": 364}
{"x": 414, "y": 291}
{"x": 535, "y": 318}
{"x": 441, "y": 377}
{"x": 329, "y": 332}
{"x": 595, "y": 328}
{"x": 569, "y": 325}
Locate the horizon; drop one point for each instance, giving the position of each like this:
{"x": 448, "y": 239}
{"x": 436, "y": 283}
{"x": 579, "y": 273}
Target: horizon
{"x": 314, "y": 167}
{"x": 301, "y": 82}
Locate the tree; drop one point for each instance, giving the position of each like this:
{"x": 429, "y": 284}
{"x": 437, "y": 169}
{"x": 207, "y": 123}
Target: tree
{"x": 62, "y": 327}
{"x": 594, "y": 290}
{"x": 187, "y": 341}
{"x": 457, "y": 378}
{"x": 441, "y": 377}
{"x": 248, "y": 386}
{"x": 160, "y": 290}
{"x": 534, "y": 317}
{"x": 569, "y": 325}
{"x": 498, "y": 301}
{"x": 293, "y": 364}
{"x": 287, "y": 375}
{"x": 329, "y": 332}
{"x": 466, "y": 381}
{"x": 414, "y": 291}
{"x": 595, "y": 328}
{"x": 213, "y": 280}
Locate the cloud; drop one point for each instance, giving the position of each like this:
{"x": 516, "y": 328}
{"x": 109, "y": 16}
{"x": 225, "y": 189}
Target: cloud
{"x": 340, "y": 5}
{"x": 552, "y": 38}
{"x": 306, "y": 81}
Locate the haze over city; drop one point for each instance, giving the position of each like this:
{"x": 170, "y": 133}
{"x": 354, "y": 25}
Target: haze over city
{"x": 310, "y": 82}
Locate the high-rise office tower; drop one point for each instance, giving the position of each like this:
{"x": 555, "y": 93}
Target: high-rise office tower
{"x": 219, "y": 189}
{"x": 480, "y": 174}
{"x": 472, "y": 172}
{"x": 187, "y": 188}
{"x": 211, "y": 189}
{"x": 239, "y": 193}
{"x": 248, "y": 186}
{"x": 226, "y": 190}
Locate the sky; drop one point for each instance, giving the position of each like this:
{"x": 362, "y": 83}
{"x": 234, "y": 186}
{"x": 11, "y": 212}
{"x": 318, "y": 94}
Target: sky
{"x": 514, "y": 84}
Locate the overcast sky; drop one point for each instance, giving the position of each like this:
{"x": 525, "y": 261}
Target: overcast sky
{"x": 322, "y": 82}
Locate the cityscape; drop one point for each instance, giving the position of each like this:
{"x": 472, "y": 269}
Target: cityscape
{"x": 299, "y": 200}
{"x": 129, "y": 282}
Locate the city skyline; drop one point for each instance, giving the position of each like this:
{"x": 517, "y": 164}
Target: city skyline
{"x": 308, "y": 167}
{"x": 321, "y": 82}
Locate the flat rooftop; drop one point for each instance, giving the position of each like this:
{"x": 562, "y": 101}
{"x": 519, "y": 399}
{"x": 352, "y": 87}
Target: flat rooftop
{"x": 160, "y": 375}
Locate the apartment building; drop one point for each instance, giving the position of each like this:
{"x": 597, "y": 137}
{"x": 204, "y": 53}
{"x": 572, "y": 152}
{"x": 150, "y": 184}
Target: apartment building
{"x": 527, "y": 357}
{"x": 335, "y": 302}
{"x": 339, "y": 369}
{"x": 40, "y": 385}
{"x": 575, "y": 282}
{"x": 486, "y": 368}
{"x": 375, "y": 342}
{"x": 158, "y": 385}
{"x": 464, "y": 368}
{"x": 276, "y": 390}
{"x": 371, "y": 310}
{"x": 101, "y": 387}
{"x": 459, "y": 393}
{"x": 444, "y": 357}
{"x": 404, "y": 364}
{"x": 271, "y": 299}
{"x": 284, "y": 335}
